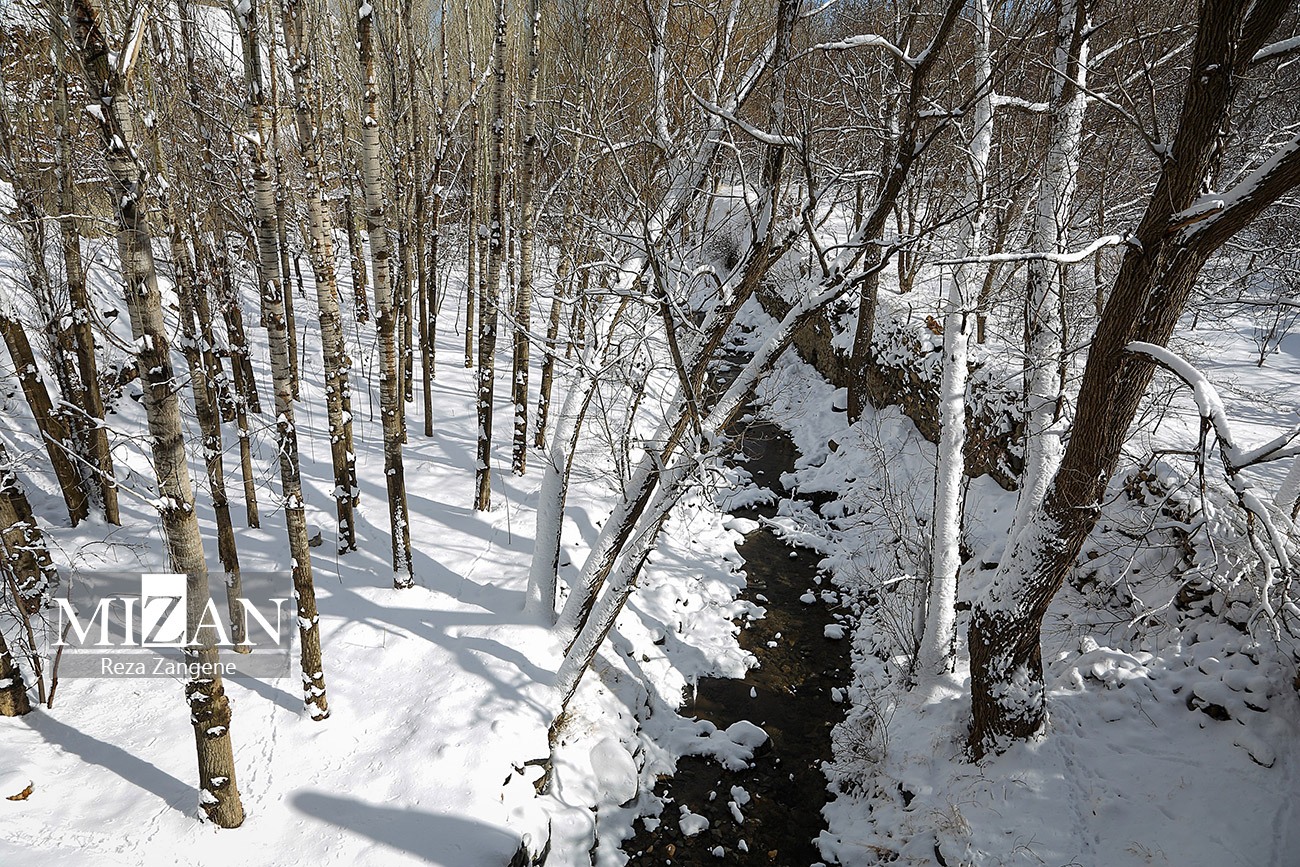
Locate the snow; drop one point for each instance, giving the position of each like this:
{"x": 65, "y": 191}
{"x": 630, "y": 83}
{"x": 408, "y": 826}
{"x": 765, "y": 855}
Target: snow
{"x": 690, "y": 823}
{"x": 1166, "y": 746}
{"x": 438, "y": 693}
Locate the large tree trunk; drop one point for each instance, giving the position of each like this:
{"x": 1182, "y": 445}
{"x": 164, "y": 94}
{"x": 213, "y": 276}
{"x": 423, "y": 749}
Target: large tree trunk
{"x": 1155, "y": 278}
{"x": 338, "y": 397}
{"x": 275, "y": 321}
{"x": 391, "y": 409}
{"x": 209, "y": 708}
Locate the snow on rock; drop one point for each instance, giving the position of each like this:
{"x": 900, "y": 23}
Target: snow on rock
{"x": 615, "y": 770}
{"x": 833, "y": 631}
{"x": 691, "y": 823}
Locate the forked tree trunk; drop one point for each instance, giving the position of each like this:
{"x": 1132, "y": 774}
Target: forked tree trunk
{"x": 209, "y": 708}
{"x": 286, "y": 431}
{"x": 391, "y": 408}
{"x": 338, "y": 393}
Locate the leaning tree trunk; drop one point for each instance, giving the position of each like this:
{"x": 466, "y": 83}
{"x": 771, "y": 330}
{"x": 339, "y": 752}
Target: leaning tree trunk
{"x": 391, "y": 407}
{"x": 1156, "y": 277}
{"x": 100, "y": 451}
{"x": 338, "y": 397}
{"x": 487, "y": 330}
{"x": 48, "y": 422}
{"x": 275, "y": 321}
{"x": 26, "y": 554}
{"x": 209, "y": 708}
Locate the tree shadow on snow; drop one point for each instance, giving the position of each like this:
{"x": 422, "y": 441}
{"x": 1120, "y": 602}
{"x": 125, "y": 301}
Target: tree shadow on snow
{"x": 178, "y": 795}
{"x": 439, "y": 838}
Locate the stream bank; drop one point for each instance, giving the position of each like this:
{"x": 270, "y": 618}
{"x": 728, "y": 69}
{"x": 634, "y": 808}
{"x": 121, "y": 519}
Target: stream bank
{"x": 770, "y": 812}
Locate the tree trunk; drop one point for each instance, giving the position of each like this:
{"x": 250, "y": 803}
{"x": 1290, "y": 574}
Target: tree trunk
{"x": 209, "y": 708}
{"x": 100, "y": 451}
{"x": 276, "y": 324}
{"x": 1044, "y": 330}
{"x": 527, "y": 228}
{"x": 487, "y": 334}
{"x": 28, "y": 557}
{"x": 391, "y": 410}
{"x": 938, "y": 651}
{"x": 1155, "y": 279}
{"x": 338, "y": 397}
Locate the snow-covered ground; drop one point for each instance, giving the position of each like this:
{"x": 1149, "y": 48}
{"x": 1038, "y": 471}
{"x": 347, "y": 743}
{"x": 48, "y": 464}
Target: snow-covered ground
{"x": 439, "y": 694}
{"x": 1128, "y": 773}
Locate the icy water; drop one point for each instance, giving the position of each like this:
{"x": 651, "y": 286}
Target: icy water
{"x": 789, "y": 695}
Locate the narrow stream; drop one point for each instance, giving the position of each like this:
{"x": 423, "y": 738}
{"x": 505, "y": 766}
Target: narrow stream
{"x": 789, "y": 695}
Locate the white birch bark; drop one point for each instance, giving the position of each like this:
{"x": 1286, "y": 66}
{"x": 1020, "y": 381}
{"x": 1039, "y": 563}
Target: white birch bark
{"x": 1050, "y": 233}
{"x": 937, "y": 653}
{"x": 275, "y": 320}
{"x": 391, "y": 407}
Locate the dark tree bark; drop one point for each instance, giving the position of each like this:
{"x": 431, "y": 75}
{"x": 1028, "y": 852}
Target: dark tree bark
{"x": 1159, "y": 269}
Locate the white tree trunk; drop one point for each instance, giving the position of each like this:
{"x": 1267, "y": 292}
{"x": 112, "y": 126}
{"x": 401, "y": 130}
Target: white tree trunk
{"x": 1050, "y": 233}
{"x": 392, "y": 410}
{"x": 544, "y": 571}
{"x": 275, "y": 320}
{"x": 937, "y": 654}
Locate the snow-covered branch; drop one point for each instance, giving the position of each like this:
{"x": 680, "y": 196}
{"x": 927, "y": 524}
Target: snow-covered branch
{"x": 751, "y": 130}
{"x": 1214, "y": 217}
{"x": 864, "y": 40}
{"x": 1068, "y": 258}
{"x": 1277, "y": 49}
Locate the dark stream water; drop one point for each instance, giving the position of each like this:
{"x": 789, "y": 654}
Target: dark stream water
{"x": 789, "y": 695}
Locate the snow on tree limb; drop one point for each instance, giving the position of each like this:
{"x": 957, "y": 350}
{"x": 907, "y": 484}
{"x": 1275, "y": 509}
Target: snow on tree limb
{"x": 1206, "y": 395}
{"x": 751, "y": 130}
{"x": 1277, "y": 49}
{"x": 864, "y": 40}
{"x": 1059, "y": 258}
{"x": 1216, "y": 216}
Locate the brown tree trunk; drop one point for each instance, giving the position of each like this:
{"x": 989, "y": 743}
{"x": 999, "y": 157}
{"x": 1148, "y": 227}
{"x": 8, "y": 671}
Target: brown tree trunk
{"x": 209, "y": 708}
{"x": 1155, "y": 278}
